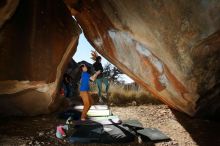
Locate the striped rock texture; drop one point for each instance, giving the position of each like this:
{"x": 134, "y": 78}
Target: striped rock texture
{"x": 171, "y": 48}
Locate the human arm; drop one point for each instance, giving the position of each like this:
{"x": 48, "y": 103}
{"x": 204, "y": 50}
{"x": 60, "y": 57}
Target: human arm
{"x": 66, "y": 79}
{"x": 93, "y": 77}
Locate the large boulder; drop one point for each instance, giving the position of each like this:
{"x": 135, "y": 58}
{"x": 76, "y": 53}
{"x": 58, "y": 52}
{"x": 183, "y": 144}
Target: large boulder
{"x": 172, "y": 48}
{"x": 36, "y": 44}
{"x": 7, "y": 9}
{"x": 169, "y": 47}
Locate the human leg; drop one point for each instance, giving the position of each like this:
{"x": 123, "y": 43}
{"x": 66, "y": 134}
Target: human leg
{"x": 91, "y": 101}
{"x": 105, "y": 81}
{"x": 69, "y": 90}
{"x": 86, "y": 102}
{"x": 99, "y": 85}
{"x": 65, "y": 90}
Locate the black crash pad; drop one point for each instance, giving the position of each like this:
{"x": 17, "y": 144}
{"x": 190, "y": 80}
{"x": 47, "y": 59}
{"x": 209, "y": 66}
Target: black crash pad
{"x": 86, "y": 134}
{"x": 107, "y": 134}
{"x": 134, "y": 124}
{"x": 153, "y": 134}
{"x": 116, "y": 134}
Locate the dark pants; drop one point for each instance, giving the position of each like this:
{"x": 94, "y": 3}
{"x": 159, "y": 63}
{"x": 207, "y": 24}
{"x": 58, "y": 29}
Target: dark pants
{"x": 67, "y": 90}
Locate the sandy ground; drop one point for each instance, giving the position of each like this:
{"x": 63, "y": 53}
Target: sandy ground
{"x": 183, "y": 130}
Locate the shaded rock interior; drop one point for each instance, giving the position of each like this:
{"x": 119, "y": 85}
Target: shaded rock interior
{"x": 37, "y": 42}
{"x": 171, "y": 48}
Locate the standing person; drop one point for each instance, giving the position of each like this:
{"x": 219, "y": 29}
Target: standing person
{"x": 100, "y": 78}
{"x": 84, "y": 89}
{"x": 67, "y": 85}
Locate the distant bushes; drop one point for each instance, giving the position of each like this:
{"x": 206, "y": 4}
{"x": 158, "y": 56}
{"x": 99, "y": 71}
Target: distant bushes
{"x": 119, "y": 95}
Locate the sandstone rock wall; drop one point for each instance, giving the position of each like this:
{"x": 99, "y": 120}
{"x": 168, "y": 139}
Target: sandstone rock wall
{"x": 36, "y": 43}
{"x": 7, "y": 9}
{"x": 169, "y": 47}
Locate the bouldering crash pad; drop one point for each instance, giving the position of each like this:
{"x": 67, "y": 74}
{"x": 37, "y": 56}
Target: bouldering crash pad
{"x": 152, "y": 134}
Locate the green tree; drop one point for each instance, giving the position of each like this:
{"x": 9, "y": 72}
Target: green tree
{"x": 112, "y": 72}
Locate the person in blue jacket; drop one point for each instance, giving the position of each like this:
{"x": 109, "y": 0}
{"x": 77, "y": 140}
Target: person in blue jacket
{"x": 84, "y": 89}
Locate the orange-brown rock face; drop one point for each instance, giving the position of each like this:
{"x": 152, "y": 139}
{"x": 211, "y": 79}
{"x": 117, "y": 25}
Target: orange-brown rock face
{"x": 172, "y": 48}
{"x": 37, "y": 39}
{"x": 7, "y": 9}
{"x": 169, "y": 47}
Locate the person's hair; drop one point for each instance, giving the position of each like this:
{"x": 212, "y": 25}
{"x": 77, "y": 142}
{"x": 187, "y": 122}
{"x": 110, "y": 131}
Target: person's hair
{"x": 88, "y": 68}
{"x": 81, "y": 66}
{"x": 98, "y": 58}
